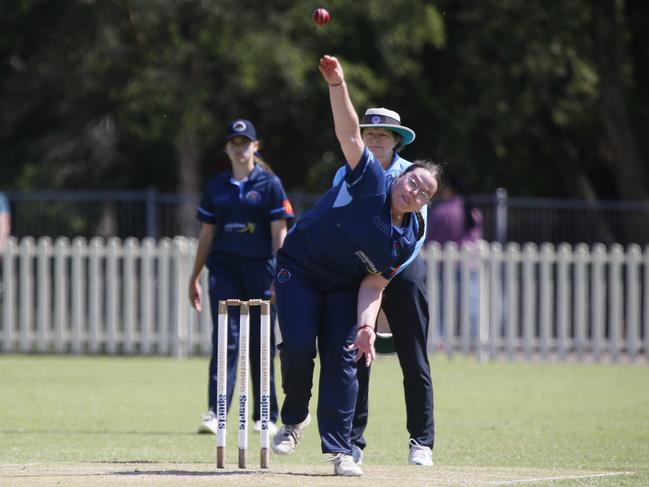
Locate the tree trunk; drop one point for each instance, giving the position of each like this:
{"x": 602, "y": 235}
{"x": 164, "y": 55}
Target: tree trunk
{"x": 625, "y": 158}
{"x": 637, "y": 15}
{"x": 188, "y": 151}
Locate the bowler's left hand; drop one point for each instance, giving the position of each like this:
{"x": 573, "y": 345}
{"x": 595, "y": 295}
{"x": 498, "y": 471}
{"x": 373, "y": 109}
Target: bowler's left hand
{"x": 364, "y": 345}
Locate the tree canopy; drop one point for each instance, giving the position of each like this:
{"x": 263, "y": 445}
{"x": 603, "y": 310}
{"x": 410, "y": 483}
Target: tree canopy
{"x": 542, "y": 98}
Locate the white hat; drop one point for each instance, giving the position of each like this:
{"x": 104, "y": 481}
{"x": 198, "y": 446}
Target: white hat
{"x": 387, "y": 119}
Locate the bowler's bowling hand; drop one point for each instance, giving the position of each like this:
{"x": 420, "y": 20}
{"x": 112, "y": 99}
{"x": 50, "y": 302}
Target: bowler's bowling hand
{"x": 331, "y": 70}
{"x": 364, "y": 344}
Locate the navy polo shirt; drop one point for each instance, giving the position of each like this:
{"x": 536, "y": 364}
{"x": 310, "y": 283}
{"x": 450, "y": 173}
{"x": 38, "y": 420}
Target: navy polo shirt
{"x": 349, "y": 232}
{"x": 242, "y": 212}
{"x": 394, "y": 170}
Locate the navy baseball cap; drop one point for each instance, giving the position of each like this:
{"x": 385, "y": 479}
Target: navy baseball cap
{"x": 241, "y": 128}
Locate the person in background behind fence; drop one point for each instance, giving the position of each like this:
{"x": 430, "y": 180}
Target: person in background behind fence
{"x": 243, "y": 215}
{"x": 405, "y": 305}
{"x": 5, "y": 221}
{"x": 455, "y": 219}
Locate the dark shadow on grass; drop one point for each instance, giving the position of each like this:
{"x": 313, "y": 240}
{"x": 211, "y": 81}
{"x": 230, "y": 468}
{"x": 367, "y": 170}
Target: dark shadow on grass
{"x": 297, "y": 474}
{"x": 215, "y": 473}
{"x": 136, "y": 462}
{"x": 51, "y": 475}
{"x": 185, "y": 473}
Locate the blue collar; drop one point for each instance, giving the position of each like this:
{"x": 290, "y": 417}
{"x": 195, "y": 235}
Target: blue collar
{"x": 394, "y": 160}
{"x": 256, "y": 172}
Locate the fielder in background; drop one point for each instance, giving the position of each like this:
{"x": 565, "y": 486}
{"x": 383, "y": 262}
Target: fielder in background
{"x": 405, "y": 305}
{"x": 243, "y": 215}
{"x": 332, "y": 269}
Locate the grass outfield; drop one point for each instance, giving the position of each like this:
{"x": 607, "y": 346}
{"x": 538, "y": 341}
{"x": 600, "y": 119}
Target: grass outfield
{"x": 132, "y": 421}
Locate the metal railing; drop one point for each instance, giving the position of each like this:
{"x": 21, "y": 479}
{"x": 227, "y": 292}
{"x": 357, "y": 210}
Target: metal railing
{"x": 129, "y": 297}
{"x": 152, "y": 214}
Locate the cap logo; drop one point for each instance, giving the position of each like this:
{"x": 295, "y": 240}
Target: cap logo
{"x": 239, "y": 126}
{"x": 379, "y": 119}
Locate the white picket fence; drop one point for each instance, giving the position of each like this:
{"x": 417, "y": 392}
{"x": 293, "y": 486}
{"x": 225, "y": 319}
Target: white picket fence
{"x": 583, "y": 303}
{"x": 130, "y": 297}
{"x": 101, "y": 296}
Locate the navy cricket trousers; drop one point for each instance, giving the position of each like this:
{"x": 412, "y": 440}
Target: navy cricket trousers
{"x": 405, "y": 304}
{"x": 312, "y": 315}
{"x": 235, "y": 277}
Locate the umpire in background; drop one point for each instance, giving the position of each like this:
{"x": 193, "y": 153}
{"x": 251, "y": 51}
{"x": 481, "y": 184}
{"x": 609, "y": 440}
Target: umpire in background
{"x": 405, "y": 305}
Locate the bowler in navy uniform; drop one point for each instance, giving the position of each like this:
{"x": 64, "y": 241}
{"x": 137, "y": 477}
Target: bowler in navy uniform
{"x": 405, "y": 304}
{"x": 332, "y": 270}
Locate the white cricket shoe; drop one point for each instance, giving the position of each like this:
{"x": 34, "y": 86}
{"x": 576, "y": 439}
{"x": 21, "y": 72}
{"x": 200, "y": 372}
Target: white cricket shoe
{"x": 419, "y": 454}
{"x": 272, "y": 427}
{"x": 288, "y": 437}
{"x": 357, "y": 455}
{"x": 209, "y": 424}
{"x": 344, "y": 465}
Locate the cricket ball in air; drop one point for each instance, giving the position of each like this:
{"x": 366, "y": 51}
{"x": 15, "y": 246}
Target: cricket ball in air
{"x": 320, "y": 16}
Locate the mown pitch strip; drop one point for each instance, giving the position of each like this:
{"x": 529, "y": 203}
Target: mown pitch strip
{"x": 190, "y": 474}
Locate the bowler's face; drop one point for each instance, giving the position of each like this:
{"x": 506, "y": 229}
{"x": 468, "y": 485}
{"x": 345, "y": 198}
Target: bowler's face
{"x": 413, "y": 190}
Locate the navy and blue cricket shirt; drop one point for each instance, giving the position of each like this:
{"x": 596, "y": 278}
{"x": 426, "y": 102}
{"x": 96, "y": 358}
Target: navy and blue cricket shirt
{"x": 349, "y": 231}
{"x": 394, "y": 170}
{"x": 242, "y": 212}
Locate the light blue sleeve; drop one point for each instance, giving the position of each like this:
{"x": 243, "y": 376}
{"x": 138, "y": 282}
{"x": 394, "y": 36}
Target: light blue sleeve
{"x": 366, "y": 179}
{"x": 339, "y": 176}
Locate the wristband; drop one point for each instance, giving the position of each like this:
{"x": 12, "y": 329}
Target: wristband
{"x": 338, "y": 84}
{"x": 365, "y": 326}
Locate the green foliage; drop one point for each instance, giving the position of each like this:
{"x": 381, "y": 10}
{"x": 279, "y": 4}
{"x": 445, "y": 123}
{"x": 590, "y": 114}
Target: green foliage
{"x": 97, "y": 94}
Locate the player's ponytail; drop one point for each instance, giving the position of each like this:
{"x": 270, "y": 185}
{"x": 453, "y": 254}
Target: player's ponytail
{"x": 264, "y": 165}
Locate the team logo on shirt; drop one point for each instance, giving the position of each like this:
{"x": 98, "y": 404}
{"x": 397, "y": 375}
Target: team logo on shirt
{"x": 240, "y": 227}
{"x": 253, "y": 197}
{"x": 283, "y": 275}
{"x": 369, "y": 265}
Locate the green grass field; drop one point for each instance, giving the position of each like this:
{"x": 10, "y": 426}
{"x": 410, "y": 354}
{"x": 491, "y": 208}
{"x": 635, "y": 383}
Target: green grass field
{"x": 132, "y": 421}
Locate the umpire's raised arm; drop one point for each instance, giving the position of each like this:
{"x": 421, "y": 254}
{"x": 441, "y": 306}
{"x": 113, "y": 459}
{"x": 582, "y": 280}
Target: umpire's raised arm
{"x": 345, "y": 117}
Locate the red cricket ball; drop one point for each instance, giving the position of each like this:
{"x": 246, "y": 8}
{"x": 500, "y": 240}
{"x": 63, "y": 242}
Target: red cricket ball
{"x": 320, "y": 16}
